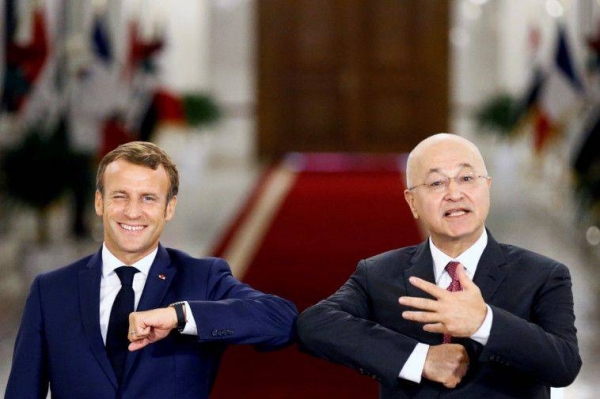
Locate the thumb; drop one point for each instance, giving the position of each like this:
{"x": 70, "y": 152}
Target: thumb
{"x": 137, "y": 345}
{"x": 463, "y": 278}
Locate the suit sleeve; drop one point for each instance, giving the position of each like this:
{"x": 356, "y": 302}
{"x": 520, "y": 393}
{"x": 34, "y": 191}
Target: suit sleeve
{"x": 339, "y": 329}
{"x": 236, "y": 313}
{"x": 546, "y": 345}
{"x": 29, "y": 376}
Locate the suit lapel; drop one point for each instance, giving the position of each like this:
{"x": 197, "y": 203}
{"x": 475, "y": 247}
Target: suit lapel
{"x": 421, "y": 265}
{"x": 159, "y": 280}
{"x": 89, "y": 306}
{"x": 490, "y": 272}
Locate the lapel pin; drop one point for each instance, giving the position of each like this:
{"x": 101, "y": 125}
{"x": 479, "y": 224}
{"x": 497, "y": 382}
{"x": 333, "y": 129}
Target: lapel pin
{"x": 162, "y": 276}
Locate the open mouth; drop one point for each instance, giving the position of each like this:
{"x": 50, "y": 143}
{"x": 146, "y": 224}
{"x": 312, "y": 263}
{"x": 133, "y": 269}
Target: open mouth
{"x": 453, "y": 213}
{"x": 129, "y": 227}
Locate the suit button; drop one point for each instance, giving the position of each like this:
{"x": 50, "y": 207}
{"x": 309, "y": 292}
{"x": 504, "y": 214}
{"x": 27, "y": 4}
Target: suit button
{"x": 215, "y": 333}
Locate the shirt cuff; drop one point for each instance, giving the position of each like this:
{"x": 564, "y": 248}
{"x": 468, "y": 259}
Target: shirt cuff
{"x": 190, "y": 326}
{"x": 483, "y": 333}
{"x": 413, "y": 368}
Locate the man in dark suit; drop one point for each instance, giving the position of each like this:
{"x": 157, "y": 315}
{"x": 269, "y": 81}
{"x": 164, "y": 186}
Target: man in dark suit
{"x": 76, "y": 328}
{"x": 498, "y": 322}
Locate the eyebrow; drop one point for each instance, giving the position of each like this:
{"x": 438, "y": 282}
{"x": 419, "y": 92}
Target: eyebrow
{"x": 462, "y": 166}
{"x": 152, "y": 194}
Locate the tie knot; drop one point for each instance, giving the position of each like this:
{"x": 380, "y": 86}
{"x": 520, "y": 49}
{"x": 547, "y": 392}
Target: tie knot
{"x": 125, "y": 274}
{"x": 451, "y": 269}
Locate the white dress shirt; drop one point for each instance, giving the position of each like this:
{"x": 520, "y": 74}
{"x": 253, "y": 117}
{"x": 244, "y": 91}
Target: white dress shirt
{"x": 413, "y": 368}
{"x": 110, "y": 284}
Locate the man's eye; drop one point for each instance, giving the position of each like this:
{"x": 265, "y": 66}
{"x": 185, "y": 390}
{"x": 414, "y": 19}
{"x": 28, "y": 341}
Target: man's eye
{"x": 435, "y": 184}
{"x": 149, "y": 198}
{"x": 466, "y": 178}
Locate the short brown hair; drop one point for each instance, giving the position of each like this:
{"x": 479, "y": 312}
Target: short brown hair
{"x": 141, "y": 153}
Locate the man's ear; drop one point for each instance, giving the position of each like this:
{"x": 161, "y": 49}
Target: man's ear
{"x": 170, "y": 211}
{"x": 98, "y": 203}
{"x": 410, "y": 200}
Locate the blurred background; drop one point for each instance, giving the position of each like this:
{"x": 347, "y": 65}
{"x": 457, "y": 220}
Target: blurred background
{"x": 227, "y": 87}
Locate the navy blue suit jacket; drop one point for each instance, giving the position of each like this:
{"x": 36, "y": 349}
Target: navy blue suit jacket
{"x": 532, "y": 344}
{"x": 59, "y": 341}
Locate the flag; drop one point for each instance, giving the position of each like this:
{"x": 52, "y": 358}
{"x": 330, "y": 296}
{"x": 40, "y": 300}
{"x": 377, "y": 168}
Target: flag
{"x": 587, "y": 158}
{"x": 97, "y": 92}
{"x": 593, "y": 43}
{"x": 143, "y": 81}
{"x": 164, "y": 108}
{"x": 24, "y": 62}
{"x": 114, "y": 134}
{"x": 527, "y": 104}
{"x": 560, "y": 93}
{"x": 100, "y": 40}
{"x": 140, "y": 51}
{"x": 47, "y": 100}
{"x": 586, "y": 166}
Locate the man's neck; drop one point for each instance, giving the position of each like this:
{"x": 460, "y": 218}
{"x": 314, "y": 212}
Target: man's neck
{"x": 454, "y": 248}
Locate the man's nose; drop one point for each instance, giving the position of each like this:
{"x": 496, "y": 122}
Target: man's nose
{"x": 132, "y": 209}
{"x": 454, "y": 189}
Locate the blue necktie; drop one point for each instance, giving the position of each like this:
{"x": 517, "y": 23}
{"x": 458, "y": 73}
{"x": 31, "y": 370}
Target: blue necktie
{"x": 118, "y": 324}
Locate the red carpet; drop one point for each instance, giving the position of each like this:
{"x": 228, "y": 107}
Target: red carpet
{"x": 339, "y": 209}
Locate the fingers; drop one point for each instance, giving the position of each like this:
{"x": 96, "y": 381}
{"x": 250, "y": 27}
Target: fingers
{"x": 423, "y": 303}
{"x": 463, "y": 278}
{"x": 426, "y": 286}
{"x": 421, "y": 317}
{"x": 427, "y": 308}
{"x": 446, "y": 364}
{"x": 418, "y": 303}
{"x": 136, "y": 334}
{"x": 439, "y": 328}
{"x": 137, "y": 345}
{"x": 139, "y": 336}
{"x": 138, "y": 329}
{"x": 432, "y": 321}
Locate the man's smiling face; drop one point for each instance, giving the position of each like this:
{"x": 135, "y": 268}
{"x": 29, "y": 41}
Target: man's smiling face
{"x": 134, "y": 209}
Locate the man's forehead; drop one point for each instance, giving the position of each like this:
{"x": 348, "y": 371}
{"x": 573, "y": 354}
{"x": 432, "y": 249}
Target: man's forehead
{"x": 460, "y": 167}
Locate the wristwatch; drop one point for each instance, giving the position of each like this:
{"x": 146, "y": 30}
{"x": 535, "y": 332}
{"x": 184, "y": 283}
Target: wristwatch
{"x": 180, "y": 315}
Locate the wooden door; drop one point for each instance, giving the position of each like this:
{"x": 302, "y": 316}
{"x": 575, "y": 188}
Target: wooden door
{"x": 351, "y": 75}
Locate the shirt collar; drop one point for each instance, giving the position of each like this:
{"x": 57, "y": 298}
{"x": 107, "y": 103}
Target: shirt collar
{"x": 110, "y": 262}
{"x": 469, "y": 258}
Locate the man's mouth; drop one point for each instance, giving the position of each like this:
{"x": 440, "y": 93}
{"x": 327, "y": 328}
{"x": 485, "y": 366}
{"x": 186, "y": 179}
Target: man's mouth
{"x": 452, "y": 213}
{"x": 130, "y": 227}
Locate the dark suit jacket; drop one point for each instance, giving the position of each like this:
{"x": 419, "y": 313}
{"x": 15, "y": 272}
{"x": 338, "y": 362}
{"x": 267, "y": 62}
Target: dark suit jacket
{"x": 532, "y": 344}
{"x": 59, "y": 341}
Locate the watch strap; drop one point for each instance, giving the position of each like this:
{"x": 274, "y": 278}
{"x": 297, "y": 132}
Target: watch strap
{"x": 181, "y": 322}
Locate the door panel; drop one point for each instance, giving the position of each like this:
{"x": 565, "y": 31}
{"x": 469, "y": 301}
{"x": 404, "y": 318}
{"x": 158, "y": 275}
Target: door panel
{"x": 351, "y": 75}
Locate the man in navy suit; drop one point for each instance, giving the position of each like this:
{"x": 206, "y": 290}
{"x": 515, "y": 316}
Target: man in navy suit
{"x": 188, "y": 310}
{"x": 504, "y": 327}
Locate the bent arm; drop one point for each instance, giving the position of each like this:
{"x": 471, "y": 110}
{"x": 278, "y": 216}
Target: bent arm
{"x": 238, "y": 314}
{"x": 340, "y": 329}
{"x": 546, "y": 346}
{"x": 29, "y": 375}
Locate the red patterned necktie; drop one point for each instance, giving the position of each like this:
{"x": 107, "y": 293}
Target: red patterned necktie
{"x": 453, "y": 287}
